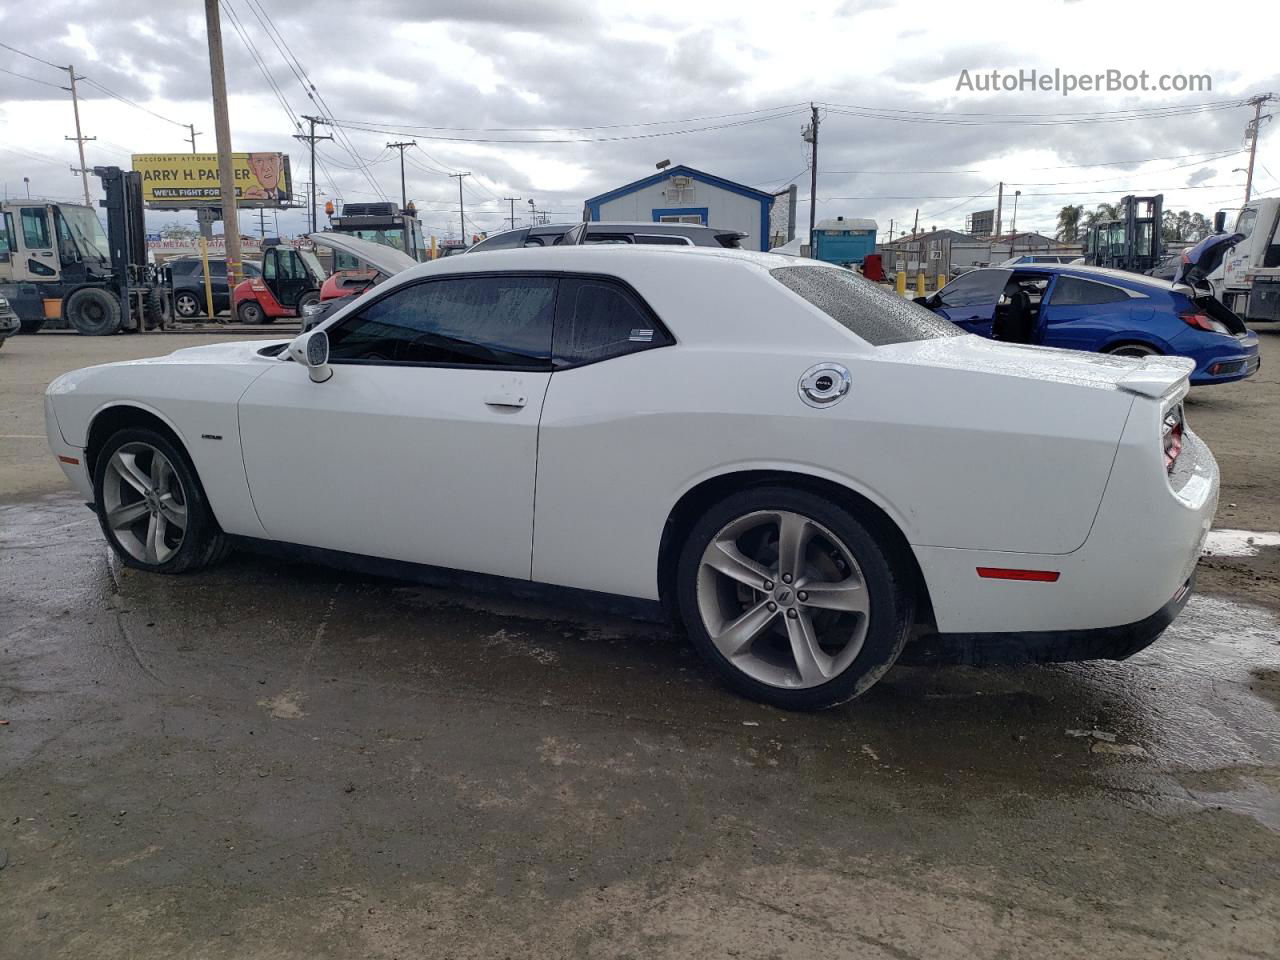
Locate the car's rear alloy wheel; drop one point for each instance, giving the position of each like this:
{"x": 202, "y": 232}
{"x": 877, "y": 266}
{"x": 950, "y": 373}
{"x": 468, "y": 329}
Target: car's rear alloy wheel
{"x": 791, "y": 599}
{"x": 1134, "y": 350}
{"x": 151, "y": 506}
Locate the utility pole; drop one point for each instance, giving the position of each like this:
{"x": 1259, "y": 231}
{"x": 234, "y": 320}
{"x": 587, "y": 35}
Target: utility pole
{"x": 512, "y": 218}
{"x": 810, "y": 135}
{"x": 404, "y": 198}
{"x": 891, "y": 229}
{"x": 999, "y": 207}
{"x": 915, "y": 227}
{"x": 311, "y": 139}
{"x": 192, "y": 139}
{"x": 462, "y": 217}
{"x": 222, "y": 135}
{"x": 79, "y": 138}
{"x": 1251, "y": 132}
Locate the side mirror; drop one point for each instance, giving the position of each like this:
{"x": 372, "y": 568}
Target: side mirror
{"x": 923, "y": 301}
{"x": 1220, "y": 222}
{"x": 311, "y": 350}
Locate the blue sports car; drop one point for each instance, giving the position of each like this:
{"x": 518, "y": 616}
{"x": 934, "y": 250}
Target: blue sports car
{"x": 1101, "y": 310}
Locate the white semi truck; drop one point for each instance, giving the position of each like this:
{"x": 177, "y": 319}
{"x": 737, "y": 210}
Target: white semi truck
{"x": 1248, "y": 279}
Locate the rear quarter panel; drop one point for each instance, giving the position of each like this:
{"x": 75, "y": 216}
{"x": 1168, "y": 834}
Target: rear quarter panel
{"x": 957, "y": 458}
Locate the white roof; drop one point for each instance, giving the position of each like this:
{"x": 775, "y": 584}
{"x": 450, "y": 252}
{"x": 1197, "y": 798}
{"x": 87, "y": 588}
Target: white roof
{"x": 848, "y": 223}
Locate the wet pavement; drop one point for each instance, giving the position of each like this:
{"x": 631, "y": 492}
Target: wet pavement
{"x": 280, "y": 760}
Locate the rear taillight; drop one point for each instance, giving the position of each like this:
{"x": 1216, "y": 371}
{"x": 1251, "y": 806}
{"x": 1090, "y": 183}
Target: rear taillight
{"x": 1202, "y": 322}
{"x": 1172, "y": 430}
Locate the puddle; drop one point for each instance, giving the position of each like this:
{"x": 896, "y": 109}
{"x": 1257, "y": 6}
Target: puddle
{"x": 1238, "y": 543}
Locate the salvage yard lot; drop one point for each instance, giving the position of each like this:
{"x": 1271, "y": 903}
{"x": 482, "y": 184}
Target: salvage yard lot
{"x": 279, "y": 760}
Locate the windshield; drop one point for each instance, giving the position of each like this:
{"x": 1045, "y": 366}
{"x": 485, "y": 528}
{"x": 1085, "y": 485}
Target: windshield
{"x": 313, "y": 263}
{"x": 86, "y": 232}
{"x": 872, "y": 312}
{"x": 387, "y": 236}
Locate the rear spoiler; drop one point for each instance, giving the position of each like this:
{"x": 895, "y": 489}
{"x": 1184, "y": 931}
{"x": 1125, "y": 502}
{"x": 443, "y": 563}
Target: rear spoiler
{"x": 1159, "y": 377}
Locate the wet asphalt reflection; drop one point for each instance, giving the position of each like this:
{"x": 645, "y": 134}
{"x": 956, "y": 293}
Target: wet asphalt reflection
{"x": 266, "y": 733}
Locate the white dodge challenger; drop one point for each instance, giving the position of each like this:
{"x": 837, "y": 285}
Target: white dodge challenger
{"x": 813, "y": 476}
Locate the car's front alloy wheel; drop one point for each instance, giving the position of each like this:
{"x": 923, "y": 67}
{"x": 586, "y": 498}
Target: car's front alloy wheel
{"x": 186, "y": 305}
{"x": 791, "y": 599}
{"x": 151, "y": 506}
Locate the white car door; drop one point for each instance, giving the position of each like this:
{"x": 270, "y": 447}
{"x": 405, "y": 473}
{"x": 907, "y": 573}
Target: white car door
{"x": 422, "y": 446}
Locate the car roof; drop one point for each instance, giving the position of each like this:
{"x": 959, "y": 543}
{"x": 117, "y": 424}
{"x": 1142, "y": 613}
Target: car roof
{"x": 603, "y": 257}
{"x": 1102, "y": 274}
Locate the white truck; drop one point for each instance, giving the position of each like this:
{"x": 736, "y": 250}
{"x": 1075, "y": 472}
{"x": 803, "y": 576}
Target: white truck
{"x": 1248, "y": 279}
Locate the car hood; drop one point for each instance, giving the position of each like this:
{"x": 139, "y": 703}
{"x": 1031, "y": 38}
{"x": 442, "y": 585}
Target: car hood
{"x": 384, "y": 259}
{"x": 1149, "y": 376}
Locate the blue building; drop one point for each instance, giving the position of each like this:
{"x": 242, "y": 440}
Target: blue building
{"x": 685, "y": 195}
{"x": 843, "y": 241}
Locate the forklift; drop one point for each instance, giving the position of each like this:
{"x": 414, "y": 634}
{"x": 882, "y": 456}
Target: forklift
{"x": 1134, "y": 242}
{"x": 57, "y": 264}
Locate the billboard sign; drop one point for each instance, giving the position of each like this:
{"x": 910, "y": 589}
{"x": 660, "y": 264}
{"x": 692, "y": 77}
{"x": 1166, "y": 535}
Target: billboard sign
{"x": 981, "y": 223}
{"x": 173, "y": 180}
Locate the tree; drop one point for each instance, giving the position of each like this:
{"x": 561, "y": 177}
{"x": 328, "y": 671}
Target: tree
{"x": 1103, "y": 211}
{"x": 1069, "y": 223}
{"x": 1184, "y": 226}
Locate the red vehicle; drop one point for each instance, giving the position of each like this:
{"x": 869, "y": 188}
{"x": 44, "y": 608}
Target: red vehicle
{"x": 291, "y": 279}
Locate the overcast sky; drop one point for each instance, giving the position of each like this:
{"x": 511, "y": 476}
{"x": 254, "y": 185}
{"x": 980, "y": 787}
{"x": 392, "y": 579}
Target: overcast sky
{"x": 422, "y": 69}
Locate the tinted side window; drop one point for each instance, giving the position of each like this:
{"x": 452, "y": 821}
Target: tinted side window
{"x": 502, "y": 241}
{"x": 218, "y": 268}
{"x": 1074, "y": 292}
{"x": 597, "y": 319}
{"x": 469, "y": 321}
{"x": 976, "y": 288}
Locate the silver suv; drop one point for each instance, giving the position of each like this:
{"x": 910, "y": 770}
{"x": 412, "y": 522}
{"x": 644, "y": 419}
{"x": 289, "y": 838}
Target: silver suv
{"x": 559, "y": 234}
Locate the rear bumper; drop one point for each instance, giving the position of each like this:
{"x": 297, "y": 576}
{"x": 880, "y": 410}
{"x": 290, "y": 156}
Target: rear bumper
{"x": 1047, "y": 646}
{"x": 1142, "y": 549}
{"x": 1227, "y": 368}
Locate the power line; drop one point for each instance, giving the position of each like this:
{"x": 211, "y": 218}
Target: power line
{"x": 309, "y": 87}
{"x": 32, "y": 56}
{"x": 23, "y": 76}
{"x": 898, "y": 116}
{"x": 606, "y": 126}
{"x": 364, "y": 127}
{"x": 123, "y": 99}
{"x": 1132, "y": 112}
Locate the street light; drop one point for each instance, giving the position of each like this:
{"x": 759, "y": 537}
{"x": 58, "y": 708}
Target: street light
{"x": 27, "y": 181}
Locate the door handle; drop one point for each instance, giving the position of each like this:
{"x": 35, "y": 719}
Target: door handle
{"x": 508, "y": 400}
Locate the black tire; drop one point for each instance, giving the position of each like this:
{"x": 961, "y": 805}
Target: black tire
{"x": 187, "y": 305}
{"x": 251, "y": 311}
{"x": 93, "y": 312}
{"x": 154, "y": 312}
{"x": 203, "y": 542}
{"x": 32, "y": 325}
{"x": 1134, "y": 350}
{"x": 889, "y": 591}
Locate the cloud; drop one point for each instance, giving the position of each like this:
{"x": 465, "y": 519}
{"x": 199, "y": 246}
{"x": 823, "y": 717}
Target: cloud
{"x": 485, "y": 68}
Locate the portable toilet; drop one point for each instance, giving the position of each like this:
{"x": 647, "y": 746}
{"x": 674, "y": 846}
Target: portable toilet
{"x": 843, "y": 241}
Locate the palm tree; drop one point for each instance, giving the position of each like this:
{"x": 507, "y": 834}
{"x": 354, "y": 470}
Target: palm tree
{"x": 1103, "y": 211}
{"x": 1069, "y": 223}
